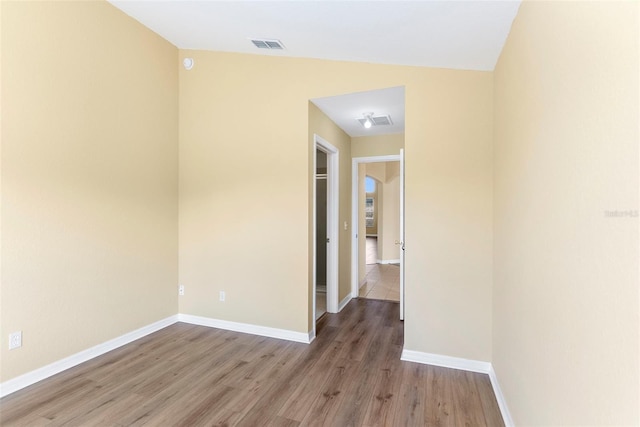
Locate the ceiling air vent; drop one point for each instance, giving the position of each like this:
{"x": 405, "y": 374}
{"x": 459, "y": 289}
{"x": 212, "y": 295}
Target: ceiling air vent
{"x": 377, "y": 120}
{"x": 267, "y": 44}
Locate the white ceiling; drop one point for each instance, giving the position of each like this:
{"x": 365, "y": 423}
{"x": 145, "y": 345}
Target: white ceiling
{"x": 445, "y": 34}
{"x": 455, "y": 34}
{"x": 344, "y": 110}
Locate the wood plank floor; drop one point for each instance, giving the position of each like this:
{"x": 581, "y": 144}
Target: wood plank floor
{"x": 186, "y": 375}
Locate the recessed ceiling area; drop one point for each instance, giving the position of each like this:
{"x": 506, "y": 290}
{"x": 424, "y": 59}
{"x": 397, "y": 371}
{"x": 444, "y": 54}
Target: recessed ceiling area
{"x": 346, "y": 110}
{"x": 445, "y": 34}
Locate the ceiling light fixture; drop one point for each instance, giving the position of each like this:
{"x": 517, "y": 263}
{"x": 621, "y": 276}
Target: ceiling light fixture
{"x": 368, "y": 122}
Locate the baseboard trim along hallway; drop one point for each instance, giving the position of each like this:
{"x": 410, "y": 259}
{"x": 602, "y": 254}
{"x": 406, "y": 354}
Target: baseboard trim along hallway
{"x": 464, "y": 365}
{"x": 247, "y": 328}
{"x": 344, "y": 302}
{"x": 54, "y": 368}
{"x": 51, "y": 369}
{"x": 502, "y": 403}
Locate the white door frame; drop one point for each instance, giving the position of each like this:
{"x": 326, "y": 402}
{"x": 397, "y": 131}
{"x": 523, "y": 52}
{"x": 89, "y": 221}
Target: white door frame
{"x": 332, "y": 224}
{"x": 355, "y": 162}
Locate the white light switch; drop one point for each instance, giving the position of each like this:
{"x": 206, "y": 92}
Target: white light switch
{"x": 346, "y": 226}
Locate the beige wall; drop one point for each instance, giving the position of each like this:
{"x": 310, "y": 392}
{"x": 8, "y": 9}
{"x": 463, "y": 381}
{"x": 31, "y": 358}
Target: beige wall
{"x": 379, "y": 145}
{"x": 388, "y": 250}
{"x": 378, "y": 171}
{"x": 448, "y": 214}
{"x": 262, "y": 261}
{"x": 89, "y": 179}
{"x": 566, "y": 275}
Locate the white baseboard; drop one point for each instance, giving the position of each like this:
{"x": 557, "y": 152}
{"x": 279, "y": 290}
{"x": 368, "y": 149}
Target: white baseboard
{"x": 388, "y": 261}
{"x": 344, "y": 302}
{"x": 371, "y": 235}
{"x": 465, "y": 365}
{"x": 502, "y": 403}
{"x": 446, "y": 361}
{"x": 247, "y": 328}
{"x": 47, "y": 371}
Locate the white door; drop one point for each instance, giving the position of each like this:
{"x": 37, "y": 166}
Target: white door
{"x": 402, "y": 234}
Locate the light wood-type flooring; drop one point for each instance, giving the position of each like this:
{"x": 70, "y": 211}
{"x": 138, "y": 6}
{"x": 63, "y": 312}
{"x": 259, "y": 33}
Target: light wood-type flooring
{"x": 186, "y": 375}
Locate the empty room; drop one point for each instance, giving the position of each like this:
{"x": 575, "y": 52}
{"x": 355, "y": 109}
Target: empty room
{"x": 183, "y": 213}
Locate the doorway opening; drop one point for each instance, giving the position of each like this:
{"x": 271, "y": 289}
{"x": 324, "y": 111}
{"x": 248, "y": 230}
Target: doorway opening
{"x": 379, "y": 272}
{"x": 377, "y": 254}
{"x": 325, "y": 229}
{"x": 382, "y": 138}
{"x": 321, "y": 233}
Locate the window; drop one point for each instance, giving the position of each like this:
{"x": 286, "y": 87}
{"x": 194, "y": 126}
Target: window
{"x": 370, "y": 185}
{"x": 369, "y": 207}
{"x": 369, "y": 212}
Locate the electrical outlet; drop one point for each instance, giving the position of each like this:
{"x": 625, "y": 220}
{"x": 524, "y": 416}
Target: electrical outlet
{"x": 181, "y": 290}
{"x": 222, "y": 296}
{"x": 15, "y": 340}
